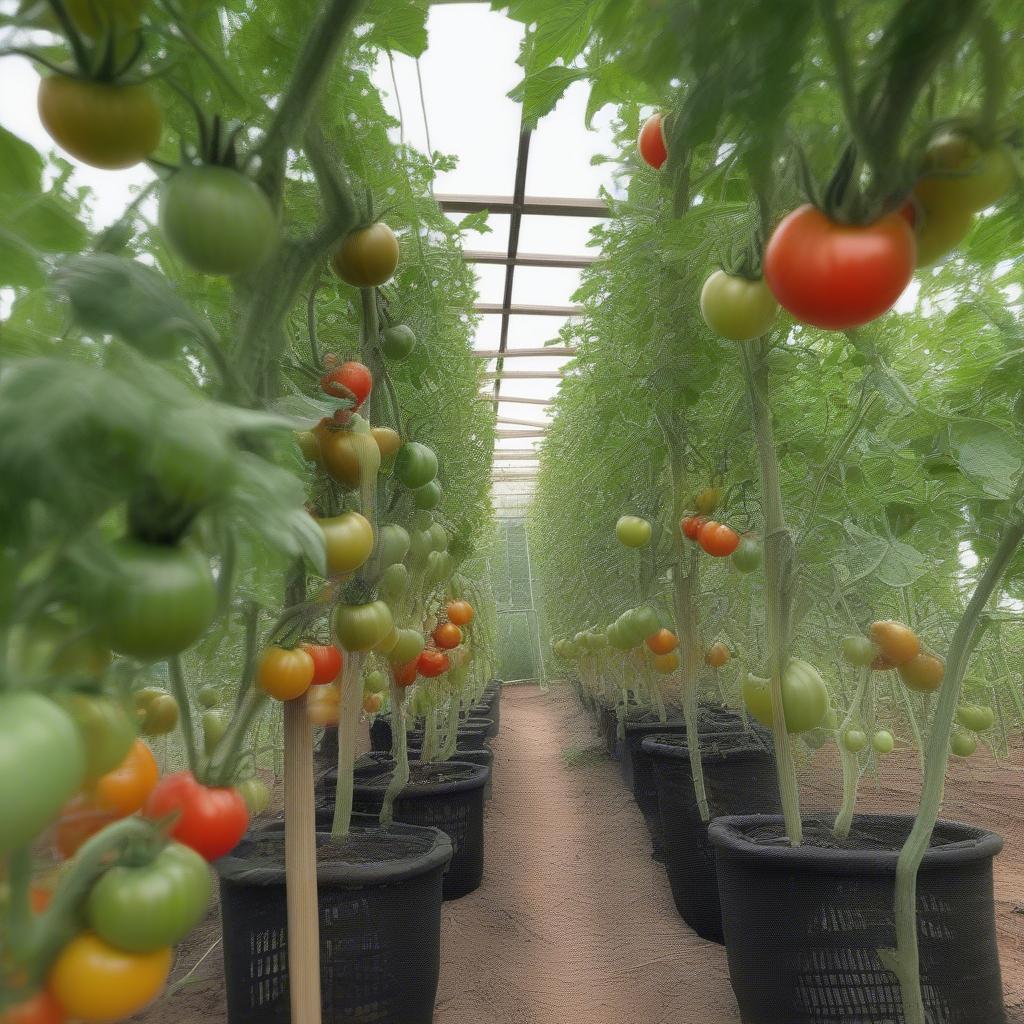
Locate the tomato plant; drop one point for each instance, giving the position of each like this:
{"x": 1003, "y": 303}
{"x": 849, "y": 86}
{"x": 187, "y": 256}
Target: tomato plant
{"x": 367, "y": 257}
{"x": 737, "y": 309}
{"x": 217, "y": 220}
{"x": 838, "y": 276}
{"x": 104, "y": 124}
{"x": 146, "y": 907}
{"x": 209, "y": 819}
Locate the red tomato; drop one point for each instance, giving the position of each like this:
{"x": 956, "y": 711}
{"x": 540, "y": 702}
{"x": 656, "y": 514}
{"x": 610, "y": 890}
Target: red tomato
{"x": 718, "y": 539}
{"x": 41, "y": 1008}
{"x": 447, "y": 636}
{"x": 405, "y": 675}
{"x": 326, "y": 662}
{"x": 839, "y": 276}
{"x": 432, "y": 663}
{"x": 662, "y": 642}
{"x": 651, "y": 143}
{"x": 80, "y": 820}
{"x": 350, "y": 380}
{"x": 691, "y": 526}
{"x": 211, "y": 819}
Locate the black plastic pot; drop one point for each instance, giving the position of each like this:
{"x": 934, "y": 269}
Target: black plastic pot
{"x": 380, "y": 924}
{"x": 803, "y": 925}
{"x": 638, "y": 772}
{"x": 370, "y": 763}
{"x": 473, "y": 734}
{"x": 448, "y": 796}
{"x": 609, "y": 729}
{"x": 739, "y": 778}
{"x": 489, "y": 709}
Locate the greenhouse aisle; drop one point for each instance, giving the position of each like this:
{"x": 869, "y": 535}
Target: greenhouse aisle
{"x": 574, "y": 921}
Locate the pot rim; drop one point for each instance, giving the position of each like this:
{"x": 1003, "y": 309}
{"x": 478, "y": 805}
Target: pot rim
{"x": 728, "y": 835}
{"x": 232, "y": 868}
{"x": 477, "y": 780}
{"x": 656, "y": 746}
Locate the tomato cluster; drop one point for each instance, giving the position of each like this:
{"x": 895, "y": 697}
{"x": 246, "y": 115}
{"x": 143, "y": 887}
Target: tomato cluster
{"x": 714, "y": 537}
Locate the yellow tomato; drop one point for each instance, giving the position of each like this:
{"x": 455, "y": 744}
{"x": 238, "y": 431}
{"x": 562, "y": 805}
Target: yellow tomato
{"x": 285, "y": 674}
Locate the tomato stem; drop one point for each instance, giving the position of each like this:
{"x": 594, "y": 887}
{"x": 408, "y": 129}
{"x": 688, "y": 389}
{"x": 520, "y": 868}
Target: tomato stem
{"x": 399, "y": 754}
{"x": 351, "y": 702}
{"x": 180, "y": 692}
{"x": 904, "y": 961}
{"x": 851, "y": 773}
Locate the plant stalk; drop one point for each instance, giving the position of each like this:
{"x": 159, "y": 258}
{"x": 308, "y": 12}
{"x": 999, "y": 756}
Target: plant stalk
{"x": 348, "y": 727}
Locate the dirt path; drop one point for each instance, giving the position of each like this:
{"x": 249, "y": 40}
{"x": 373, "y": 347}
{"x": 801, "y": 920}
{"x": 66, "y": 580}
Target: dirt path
{"x": 574, "y": 920}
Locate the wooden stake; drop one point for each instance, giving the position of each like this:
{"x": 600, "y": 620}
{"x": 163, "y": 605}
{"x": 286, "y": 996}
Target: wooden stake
{"x": 300, "y": 865}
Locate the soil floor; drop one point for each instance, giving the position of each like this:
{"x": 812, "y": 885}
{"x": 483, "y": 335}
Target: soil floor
{"x": 575, "y": 922}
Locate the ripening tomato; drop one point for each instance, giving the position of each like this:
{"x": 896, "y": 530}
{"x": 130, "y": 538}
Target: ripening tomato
{"x": 372, "y": 703}
{"x": 285, "y": 674}
{"x": 666, "y": 663}
{"x": 447, "y": 636}
{"x": 717, "y": 655}
{"x": 309, "y": 446}
{"x": 460, "y": 612}
{"x": 961, "y": 175}
{"x": 633, "y": 531}
{"x": 858, "y": 651}
{"x": 348, "y": 542}
{"x": 360, "y": 627}
{"x": 651, "y": 143}
{"x": 737, "y": 309}
{"x": 80, "y": 819}
{"x": 350, "y": 380}
{"x": 95, "y": 983}
{"x": 838, "y": 276}
{"x": 897, "y": 642}
{"x": 804, "y": 697}
{"x": 103, "y": 124}
{"x": 367, "y": 257}
{"x": 432, "y": 663}
{"x": 126, "y": 788}
{"x": 388, "y": 440}
{"x": 348, "y": 455}
{"x": 256, "y": 794}
{"x": 327, "y": 663}
{"x": 323, "y": 707}
{"x": 210, "y": 819}
{"x": 691, "y": 526}
{"x": 938, "y": 230}
{"x": 664, "y": 641}
{"x": 718, "y": 539}
{"x": 40, "y": 1008}
{"x": 708, "y": 500}
{"x": 923, "y": 672}
{"x": 405, "y": 675}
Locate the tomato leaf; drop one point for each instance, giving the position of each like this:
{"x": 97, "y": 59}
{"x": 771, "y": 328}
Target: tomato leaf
{"x": 21, "y": 167}
{"x": 987, "y": 455}
{"x": 540, "y": 91}
{"x": 887, "y": 560}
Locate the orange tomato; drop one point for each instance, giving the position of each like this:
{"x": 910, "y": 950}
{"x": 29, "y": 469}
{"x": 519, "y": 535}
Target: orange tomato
{"x": 924, "y": 672}
{"x": 286, "y": 674}
{"x": 41, "y": 1008}
{"x": 897, "y": 642}
{"x": 372, "y": 703}
{"x": 460, "y": 612}
{"x": 124, "y": 790}
{"x": 717, "y": 655}
{"x": 662, "y": 642}
{"x": 447, "y": 636}
{"x": 718, "y": 539}
{"x": 666, "y": 663}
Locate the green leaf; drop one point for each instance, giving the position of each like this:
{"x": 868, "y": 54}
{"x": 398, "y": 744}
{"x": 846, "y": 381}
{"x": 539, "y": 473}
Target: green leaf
{"x": 563, "y": 33}
{"x": 20, "y": 265}
{"x": 475, "y": 222}
{"x": 21, "y": 167}
{"x": 48, "y": 225}
{"x": 888, "y": 561}
{"x": 398, "y": 26}
{"x": 540, "y": 91}
{"x": 989, "y": 456}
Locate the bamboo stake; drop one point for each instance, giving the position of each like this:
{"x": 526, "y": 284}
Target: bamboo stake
{"x": 300, "y": 865}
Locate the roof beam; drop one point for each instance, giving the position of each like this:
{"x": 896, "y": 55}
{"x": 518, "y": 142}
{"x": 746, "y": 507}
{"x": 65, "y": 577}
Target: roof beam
{"x": 518, "y": 401}
{"x": 551, "y": 350}
{"x": 550, "y": 206}
{"x": 514, "y": 455}
{"x": 530, "y": 259}
{"x": 508, "y": 309}
{"x": 521, "y": 423}
{"x": 523, "y": 375}
{"x": 518, "y": 433}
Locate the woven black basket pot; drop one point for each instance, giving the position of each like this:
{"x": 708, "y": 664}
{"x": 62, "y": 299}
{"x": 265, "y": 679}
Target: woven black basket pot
{"x": 489, "y": 708}
{"x": 638, "y": 772}
{"x": 803, "y": 925}
{"x": 380, "y": 924}
{"x": 447, "y": 795}
{"x": 739, "y": 778}
{"x": 473, "y": 734}
{"x": 609, "y": 726}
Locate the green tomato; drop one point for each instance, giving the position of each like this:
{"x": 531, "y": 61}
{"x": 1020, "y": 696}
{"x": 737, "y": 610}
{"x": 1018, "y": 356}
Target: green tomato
{"x": 255, "y": 793}
{"x": 883, "y": 741}
{"x": 422, "y": 520}
{"x": 208, "y": 695}
{"x": 855, "y": 740}
{"x": 105, "y": 726}
{"x": 42, "y": 765}
{"x": 645, "y": 620}
{"x": 747, "y": 557}
{"x": 156, "y": 711}
{"x": 397, "y": 342}
{"x": 438, "y": 537}
{"x": 963, "y": 744}
{"x": 858, "y": 650}
{"x": 620, "y": 636}
{"x": 415, "y": 465}
{"x": 218, "y": 220}
{"x": 392, "y": 544}
{"x": 360, "y": 627}
{"x": 804, "y": 697}
{"x": 440, "y": 566}
{"x": 736, "y": 308}
{"x": 409, "y": 645}
{"x": 215, "y": 724}
{"x": 975, "y": 717}
{"x": 152, "y": 906}
{"x": 393, "y": 583}
{"x": 375, "y": 682}
{"x": 419, "y": 549}
{"x": 159, "y": 600}
{"x": 428, "y": 496}
{"x": 633, "y": 531}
